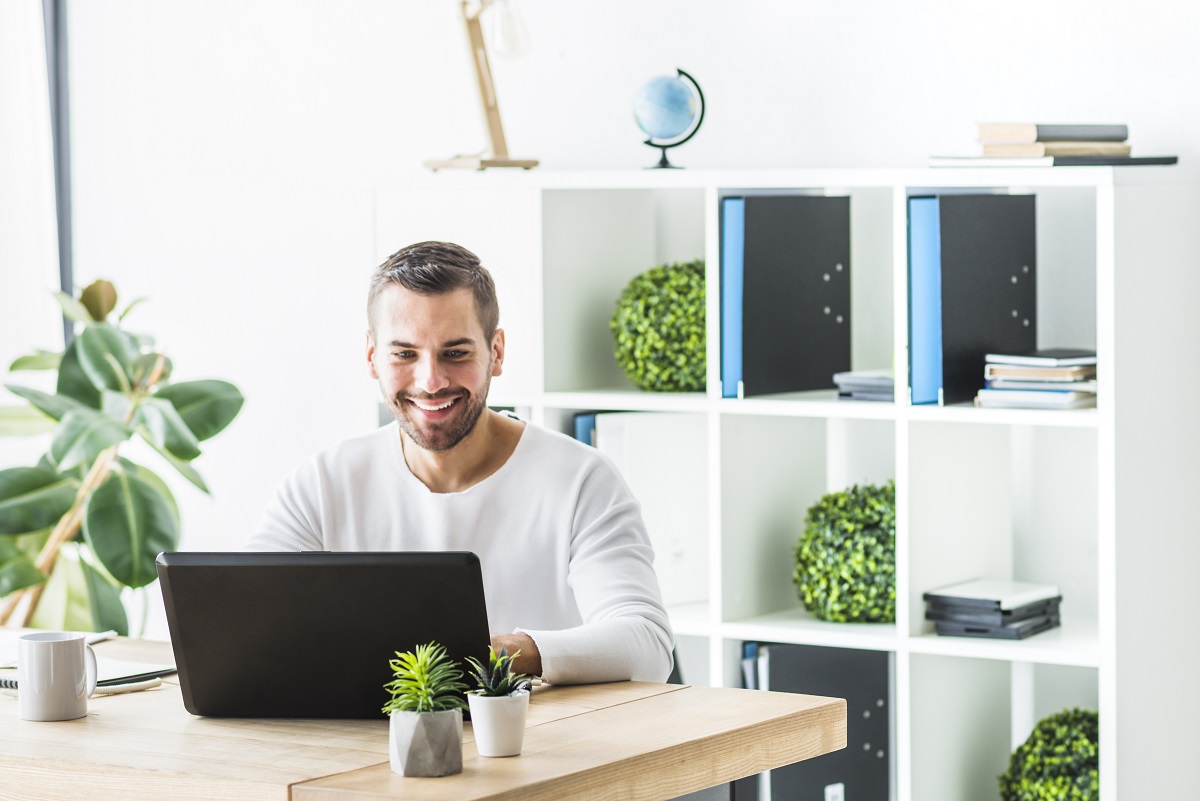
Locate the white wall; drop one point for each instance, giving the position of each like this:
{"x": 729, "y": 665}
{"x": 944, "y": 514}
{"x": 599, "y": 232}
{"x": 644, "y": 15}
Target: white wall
{"x": 225, "y": 152}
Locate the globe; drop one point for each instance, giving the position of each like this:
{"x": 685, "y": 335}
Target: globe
{"x": 665, "y": 107}
{"x": 669, "y": 110}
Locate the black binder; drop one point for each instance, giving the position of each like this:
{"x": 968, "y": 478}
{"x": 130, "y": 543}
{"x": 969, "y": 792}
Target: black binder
{"x": 863, "y": 679}
{"x": 796, "y": 285}
{"x": 989, "y": 285}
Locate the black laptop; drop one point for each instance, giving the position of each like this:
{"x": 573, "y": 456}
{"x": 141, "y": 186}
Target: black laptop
{"x": 310, "y": 634}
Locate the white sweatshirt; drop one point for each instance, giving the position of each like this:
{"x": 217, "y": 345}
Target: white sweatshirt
{"x": 563, "y": 548}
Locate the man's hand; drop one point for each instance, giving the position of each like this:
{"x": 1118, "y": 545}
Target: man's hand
{"x": 530, "y": 660}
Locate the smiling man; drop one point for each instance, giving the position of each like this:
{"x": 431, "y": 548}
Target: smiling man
{"x": 567, "y": 564}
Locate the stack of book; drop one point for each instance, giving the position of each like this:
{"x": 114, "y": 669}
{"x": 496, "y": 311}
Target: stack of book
{"x": 994, "y": 608}
{"x": 868, "y": 385}
{"x": 1054, "y": 378}
{"x": 1057, "y": 145}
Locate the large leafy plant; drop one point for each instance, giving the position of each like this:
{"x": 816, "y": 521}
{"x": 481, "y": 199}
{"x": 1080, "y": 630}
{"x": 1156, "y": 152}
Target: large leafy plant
{"x": 1059, "y": 762}
{"x": 658, "y": 328}
{"x": 846, "y": 557}
{"x": 112, "y": 386}
{"x": 424, "y": 680}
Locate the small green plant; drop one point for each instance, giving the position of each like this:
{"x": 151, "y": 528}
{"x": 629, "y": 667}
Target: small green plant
{"x": 497, "y": 677}
{"x": 846, "y": 557}
{"x": 658, "y": 328}
{"x": 1059, "y": 762}
{"x": 426, "y": 680}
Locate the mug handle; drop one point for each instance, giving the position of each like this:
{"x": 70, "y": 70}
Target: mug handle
{"x": 89, "y": 657}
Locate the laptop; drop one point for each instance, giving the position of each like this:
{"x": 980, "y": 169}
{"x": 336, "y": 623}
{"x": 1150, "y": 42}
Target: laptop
{"x": 310, "y": 634}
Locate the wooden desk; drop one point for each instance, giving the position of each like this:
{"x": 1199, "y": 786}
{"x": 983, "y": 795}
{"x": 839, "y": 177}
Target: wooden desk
{"x": 627, "y": 740}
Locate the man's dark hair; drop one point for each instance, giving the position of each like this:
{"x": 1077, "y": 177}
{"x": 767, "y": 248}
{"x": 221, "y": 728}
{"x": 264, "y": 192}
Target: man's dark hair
{"x": 436, "y": 268}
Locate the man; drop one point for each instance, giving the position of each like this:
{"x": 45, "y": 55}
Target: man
{"x": 565, "y": 556}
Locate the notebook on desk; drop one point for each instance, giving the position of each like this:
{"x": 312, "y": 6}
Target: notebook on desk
{"x": 310, "y": 635}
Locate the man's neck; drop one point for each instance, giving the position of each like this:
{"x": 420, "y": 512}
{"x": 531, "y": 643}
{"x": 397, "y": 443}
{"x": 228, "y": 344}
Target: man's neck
{"x": 478, "y": 455}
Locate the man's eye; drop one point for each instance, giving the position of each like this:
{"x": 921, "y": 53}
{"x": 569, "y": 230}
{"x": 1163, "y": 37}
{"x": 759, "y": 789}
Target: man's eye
{"x": 403, "y": 354}
{"x": 456, "y": 354}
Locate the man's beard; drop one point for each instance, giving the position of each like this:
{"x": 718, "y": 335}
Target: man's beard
{"x": 441, "y": 436}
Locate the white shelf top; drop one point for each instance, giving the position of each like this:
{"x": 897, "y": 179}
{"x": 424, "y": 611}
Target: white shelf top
{"x": 1075, "y": 642}
{"x": 826, "y": 179}
{"x": 799, "y": 627}
{"x": 820, "y": 403}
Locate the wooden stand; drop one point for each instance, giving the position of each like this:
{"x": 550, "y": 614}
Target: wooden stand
{"x": 491, "y": 107}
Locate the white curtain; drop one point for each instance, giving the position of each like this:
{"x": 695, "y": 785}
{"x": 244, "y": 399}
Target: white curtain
{"x": 29, "y": 317}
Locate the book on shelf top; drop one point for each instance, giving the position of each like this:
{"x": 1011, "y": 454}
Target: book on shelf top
{"x": 1052, "y": 161}
{"x": 1057, "y": 149}
{"x": 1034, "y": 399}
{"x": 992, "y": 593}
{"x": 1045, "y": 357}
{"x": 1056, "y": 132}
{"x": 1030, "y": 372}
{"x": 1088, "y": 385}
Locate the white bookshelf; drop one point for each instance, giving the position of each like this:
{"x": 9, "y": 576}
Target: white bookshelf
{"x": 1096, "y": 501}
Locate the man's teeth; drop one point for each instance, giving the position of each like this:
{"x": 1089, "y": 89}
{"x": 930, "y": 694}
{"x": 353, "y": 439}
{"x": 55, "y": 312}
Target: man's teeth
{"x": 425, "y": 408}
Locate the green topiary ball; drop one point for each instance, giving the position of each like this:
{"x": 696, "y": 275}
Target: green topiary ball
{"x": 658, "y": 328}
{"x": 1059, "y": 762}
{"x": 846, "y": 557}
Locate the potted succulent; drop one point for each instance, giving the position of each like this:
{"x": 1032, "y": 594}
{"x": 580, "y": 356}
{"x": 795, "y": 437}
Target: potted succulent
{"x": 498, "y": 705}
{"x": 425, "y": 725}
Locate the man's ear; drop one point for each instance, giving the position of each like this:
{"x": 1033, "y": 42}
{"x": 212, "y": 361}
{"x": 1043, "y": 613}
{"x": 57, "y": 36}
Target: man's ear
{"x": 498, "y": 352}
{"x": 371, "y": 355}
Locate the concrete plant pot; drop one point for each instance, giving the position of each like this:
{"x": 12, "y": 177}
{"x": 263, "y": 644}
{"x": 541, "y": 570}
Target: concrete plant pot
{"x": 498, "y": 723}
{"x": 426, "y": 743}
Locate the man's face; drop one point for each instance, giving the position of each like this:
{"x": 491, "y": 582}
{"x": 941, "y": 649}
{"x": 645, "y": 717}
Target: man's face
{"x": 433, "y": 364}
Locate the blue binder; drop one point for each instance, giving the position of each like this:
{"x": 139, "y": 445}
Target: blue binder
{"x": 733, "y": 243}
{"x": 924, "y": 300}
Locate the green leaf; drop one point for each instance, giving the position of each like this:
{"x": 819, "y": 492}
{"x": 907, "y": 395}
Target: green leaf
{"x": 166, "y": 429}
{"x": 206, "y": 406}
{"x": 53, "y": 405}
{"x": 16, "y": 568}
{"x": 73, "y": 309}
{"x": 38, "y": 360}
{"x": 32, "y": 498}
{"x": 185, "y": 469}
{"x": 143, "y": 368}
{"x": 127, "y": 523}
{"x": 129, "y": 308}
{"x": 105, "y": 601}
{"x": 83, "y": 434}
{"x": 23, "y": 421}
{"x": 150, "y": 477}
{"x": 64, "y": 605}
{"x": 106, "y": 354}
{"x": 73, "y": 382}
{"x": 99, "y": 298}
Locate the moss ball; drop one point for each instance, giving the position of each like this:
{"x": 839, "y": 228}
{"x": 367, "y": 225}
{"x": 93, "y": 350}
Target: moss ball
{"x": 658, "y": 328}
{"x": 846, "y": 557}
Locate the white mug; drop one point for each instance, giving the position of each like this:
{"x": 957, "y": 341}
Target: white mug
{"x": 56, "y": 672}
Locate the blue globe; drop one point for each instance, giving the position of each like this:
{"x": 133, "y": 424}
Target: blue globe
{"x": 665, "y": 107}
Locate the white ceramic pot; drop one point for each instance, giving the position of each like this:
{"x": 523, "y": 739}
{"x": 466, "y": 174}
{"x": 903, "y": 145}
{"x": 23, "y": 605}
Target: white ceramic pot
{"x": 498, "y": 723}
{"x": 425, "y": 743}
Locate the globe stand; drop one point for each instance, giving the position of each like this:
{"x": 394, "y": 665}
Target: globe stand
{"x": 664, "y": 144}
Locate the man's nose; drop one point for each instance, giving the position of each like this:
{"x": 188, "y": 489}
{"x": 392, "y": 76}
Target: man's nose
{"x": 430, "y": 376}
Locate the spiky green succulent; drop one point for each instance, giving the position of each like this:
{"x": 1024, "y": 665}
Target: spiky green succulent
{"x": 497, "y": 677}
{"x": 426, "y": 680}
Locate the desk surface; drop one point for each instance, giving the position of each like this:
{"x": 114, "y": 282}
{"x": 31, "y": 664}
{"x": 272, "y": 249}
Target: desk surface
{"x": 627, "y": 740}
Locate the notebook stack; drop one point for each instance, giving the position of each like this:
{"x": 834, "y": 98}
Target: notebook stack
{"x": 1055, "y": 378}
{"x": 1024, "y": 140}
{"x": 998, "y": 609}
{"x": 868, "y": 385}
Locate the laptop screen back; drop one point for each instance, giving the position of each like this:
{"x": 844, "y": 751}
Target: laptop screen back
{"x": 310, "y": 635}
